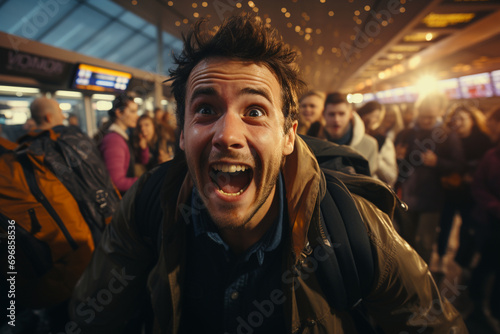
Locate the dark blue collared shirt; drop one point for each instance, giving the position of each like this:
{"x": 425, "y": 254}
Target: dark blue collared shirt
{"x": 225, "y": 293}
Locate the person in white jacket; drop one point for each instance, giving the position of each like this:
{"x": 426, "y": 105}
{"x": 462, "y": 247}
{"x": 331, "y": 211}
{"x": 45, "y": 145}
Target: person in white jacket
{"x": 343, "y": 126}
{"x": 372, "y": 114}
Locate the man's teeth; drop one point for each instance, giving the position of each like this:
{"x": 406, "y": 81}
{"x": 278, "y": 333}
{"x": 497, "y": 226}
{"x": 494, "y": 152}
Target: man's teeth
{"x": 229, "y": 168}
{"x": 232, "y": 194}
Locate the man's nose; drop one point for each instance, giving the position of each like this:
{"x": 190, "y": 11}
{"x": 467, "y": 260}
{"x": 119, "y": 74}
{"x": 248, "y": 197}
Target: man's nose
{"x": 229, "y": 132}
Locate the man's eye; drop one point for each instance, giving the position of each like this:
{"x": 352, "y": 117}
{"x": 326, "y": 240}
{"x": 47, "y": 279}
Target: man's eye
{"x": 255, "y": 113}
{"x": 205, "y": 110}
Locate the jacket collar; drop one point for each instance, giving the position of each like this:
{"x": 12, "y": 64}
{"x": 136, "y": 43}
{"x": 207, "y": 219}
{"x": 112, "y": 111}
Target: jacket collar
{"x": 358, "y": 129}
{"x": 116, "y": 128}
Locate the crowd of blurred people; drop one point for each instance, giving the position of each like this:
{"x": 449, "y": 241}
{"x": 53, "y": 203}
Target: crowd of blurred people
{"x": 442, "y": 160}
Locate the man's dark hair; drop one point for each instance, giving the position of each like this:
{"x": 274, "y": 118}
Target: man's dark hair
{"x": 335, "y": 98}
{"x": 242, "y": 37}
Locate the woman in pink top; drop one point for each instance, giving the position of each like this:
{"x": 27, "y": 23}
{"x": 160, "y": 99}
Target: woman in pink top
{"x": 113, "y": 142}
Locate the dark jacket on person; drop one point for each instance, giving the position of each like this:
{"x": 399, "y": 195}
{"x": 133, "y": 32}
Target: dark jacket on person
{"x": 486, "y": 188}
{"x": 403, "y": 296}
{"x": 421, "y": 185}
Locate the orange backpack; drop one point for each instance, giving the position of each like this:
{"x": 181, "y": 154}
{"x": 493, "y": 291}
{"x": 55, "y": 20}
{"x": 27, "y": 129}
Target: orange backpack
{"x": 53, "y": 242}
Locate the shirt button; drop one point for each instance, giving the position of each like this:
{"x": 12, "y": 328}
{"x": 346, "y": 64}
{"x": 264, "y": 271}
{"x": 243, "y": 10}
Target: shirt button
{"x": 235, "y": 295}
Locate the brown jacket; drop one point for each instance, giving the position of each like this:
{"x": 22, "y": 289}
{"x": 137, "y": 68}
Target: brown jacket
{"x": 404, "y": 297}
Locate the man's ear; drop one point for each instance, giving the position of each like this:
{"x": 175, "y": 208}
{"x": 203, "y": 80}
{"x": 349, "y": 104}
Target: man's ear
{"x": 181, "y": 140}
{"x": 290, "y": 139}
{"x": 47, "y": 118}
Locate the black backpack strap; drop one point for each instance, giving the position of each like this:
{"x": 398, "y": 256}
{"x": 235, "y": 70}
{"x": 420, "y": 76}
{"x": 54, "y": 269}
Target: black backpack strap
{"x": 351, "y": 265}
{"x": 347, "y": 275}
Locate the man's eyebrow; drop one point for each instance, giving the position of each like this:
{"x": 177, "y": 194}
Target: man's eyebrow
{"x": 210, "y": 91}
{"x": 256, "y": 91}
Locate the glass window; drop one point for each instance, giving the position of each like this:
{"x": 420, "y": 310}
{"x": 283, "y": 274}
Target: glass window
{"x": 75, "y": 28}
{"x": 73, "y": 108}
{"x": 14, "y": 111}
{"x": 32, "y": 18}
{"x": 107, "y": 40}
{"x": 101, "y": 103}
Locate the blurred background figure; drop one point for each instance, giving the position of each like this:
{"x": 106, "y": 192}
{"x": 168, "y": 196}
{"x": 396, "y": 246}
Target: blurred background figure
{"x": 46, "y": 114}
{"x": 343, "y": 126}
{"x": 486, "y": 191}
{"x": 158, "y": 115}
{"x": 113, "y": 142}
{"x": 470, "y": 125}
{"x": 392, "y": 122}
{"x": 427, "y": 153}
{"x": 73, "y": 120}
{"x": 408, "y": 114}
{"x": 159, "y": 150}
{"x": 372, "y": 114}
{"x": 311, "y": 113}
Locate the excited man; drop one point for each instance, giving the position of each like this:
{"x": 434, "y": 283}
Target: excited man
{"x": 217, "y": 234}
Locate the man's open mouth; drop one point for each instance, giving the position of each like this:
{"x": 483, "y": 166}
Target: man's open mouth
{"x": 231, "y": 179}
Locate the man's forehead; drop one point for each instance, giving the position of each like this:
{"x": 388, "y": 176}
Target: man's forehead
{"x": 243, "y": 73}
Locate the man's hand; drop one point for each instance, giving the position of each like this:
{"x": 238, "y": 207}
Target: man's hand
{"x": 429, "y": 158}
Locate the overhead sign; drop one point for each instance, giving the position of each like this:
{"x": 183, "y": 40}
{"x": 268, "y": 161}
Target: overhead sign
{"x": 90, "y": 77}
{"x": 34, "y": 66}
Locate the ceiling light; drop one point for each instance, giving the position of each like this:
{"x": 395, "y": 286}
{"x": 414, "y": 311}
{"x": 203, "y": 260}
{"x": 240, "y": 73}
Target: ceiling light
{"x": 426, "y": 84}
{"x": 283, "y": 10}
{"x": 331, "y": 13}
{"x": 103, "y": 105}
{"x": 67, "y": 93}
{"x": 12, "y": 89}
{"x": 419, "y": 37}
{"x": 194, "y": 5}
{"x": 251, "y": 4}
{"x": 367, "y": 8}
{"x": 287, "y": 14}
{"x": 204, "y": 4}
{"x": 104, "y": 97}
{"x": 170, "y": 3}
{"x": 354, "y": 98}
{"x": 18, "y": 104}
{"x": 434, "y": 20}
{"x": 405, "y": 48}
{"x": 65, "y": 106}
